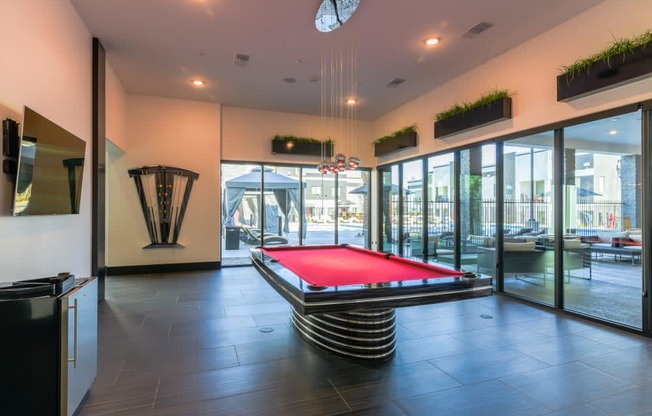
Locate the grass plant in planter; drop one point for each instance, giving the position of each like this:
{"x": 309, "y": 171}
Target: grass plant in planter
{"x": 491, "y": 107}
{"x": 624, "y": 61}
{"x": 401, "y": 139}
{"x": 293, "y": 145}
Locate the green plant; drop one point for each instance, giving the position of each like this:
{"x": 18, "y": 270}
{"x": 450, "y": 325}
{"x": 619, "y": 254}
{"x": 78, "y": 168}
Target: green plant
{"x": 619, "y": 47}
{"x": 485, "y": 99}
{"x": 398, "y": 133}
{"x": 295, "y": 139}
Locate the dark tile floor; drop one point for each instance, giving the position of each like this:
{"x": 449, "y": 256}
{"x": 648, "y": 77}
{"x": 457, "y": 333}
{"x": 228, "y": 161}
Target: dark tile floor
{"x": 220, "y": 343}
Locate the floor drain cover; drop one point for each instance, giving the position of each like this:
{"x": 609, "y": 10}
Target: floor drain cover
{"x": 486, "y": 317}
{"x": 266, "y": 330}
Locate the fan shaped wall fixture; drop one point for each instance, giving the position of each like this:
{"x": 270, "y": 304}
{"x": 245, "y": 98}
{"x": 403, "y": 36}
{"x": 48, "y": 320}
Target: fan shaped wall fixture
{"x": 334, "y": 13}
{"x": 163, "y": 192}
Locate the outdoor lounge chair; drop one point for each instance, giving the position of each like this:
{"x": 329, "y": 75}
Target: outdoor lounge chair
{"x": 253, "y": 236}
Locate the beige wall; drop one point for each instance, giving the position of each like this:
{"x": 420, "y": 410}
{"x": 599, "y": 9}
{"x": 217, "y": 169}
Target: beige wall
{"x": 530, "y": 71}
{"x": 247, "y": 135}
{"x": 50, "y": 72}
{"x": 179, "y": 133}
{"x": 116, "y": 110}
{"x": 46, "y": 65}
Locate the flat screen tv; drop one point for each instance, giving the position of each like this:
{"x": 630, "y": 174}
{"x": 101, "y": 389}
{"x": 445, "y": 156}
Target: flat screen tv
{"x": 50, "y": 167}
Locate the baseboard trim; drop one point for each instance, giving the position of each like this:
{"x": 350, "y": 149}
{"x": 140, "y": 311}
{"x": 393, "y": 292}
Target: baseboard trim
{"x": 163, "y": 268}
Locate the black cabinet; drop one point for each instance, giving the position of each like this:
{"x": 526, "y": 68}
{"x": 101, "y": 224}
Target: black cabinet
{"x": 48, "y": 347}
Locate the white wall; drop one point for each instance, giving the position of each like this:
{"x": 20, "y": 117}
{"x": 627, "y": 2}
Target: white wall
{"x": 46, "y": 65}
{"x": 179, "y": 133}
{"x": 247, "y": 135}
{"x": 530, "y": 70}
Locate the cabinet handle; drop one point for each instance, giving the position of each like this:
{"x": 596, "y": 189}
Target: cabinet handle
{"x": 74, "y": 336}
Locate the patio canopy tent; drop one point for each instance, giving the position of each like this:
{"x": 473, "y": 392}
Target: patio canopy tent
{"x": 284, "y": 189}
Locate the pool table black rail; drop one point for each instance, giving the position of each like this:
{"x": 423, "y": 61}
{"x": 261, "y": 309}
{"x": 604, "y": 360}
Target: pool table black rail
{"x": 350, "y": 297}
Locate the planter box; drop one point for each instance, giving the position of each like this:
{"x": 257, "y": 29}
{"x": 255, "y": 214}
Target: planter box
{"x": 484, "y": 115}
{"x": 395, "y": 144}
{"x": 601, "y": 76}
{"x": 300, "y": 148}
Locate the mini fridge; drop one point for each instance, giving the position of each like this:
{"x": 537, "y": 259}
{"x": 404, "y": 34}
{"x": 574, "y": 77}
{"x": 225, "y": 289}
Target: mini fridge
{"x": 48, "y": 345}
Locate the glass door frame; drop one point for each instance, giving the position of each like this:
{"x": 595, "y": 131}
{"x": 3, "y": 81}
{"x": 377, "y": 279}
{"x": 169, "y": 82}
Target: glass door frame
{"x": 302, "y": 168}
{"x": 558, "y": 189}
{"x": 558, "y": 175}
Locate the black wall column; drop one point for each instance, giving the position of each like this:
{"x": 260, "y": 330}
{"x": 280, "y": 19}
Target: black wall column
{"x": 98, "y": 210}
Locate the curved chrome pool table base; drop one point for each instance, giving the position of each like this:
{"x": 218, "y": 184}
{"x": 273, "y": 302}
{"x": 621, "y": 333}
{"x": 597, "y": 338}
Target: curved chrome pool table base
{"x": 364, "y": 334}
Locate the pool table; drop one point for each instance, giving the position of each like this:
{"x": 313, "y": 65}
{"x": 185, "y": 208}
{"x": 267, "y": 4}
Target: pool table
{"x": 343, "y": 296}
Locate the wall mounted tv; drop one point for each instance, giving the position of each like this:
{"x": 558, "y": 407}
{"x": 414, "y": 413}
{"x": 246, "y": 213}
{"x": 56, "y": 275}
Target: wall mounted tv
{"x": 50, "y": 167}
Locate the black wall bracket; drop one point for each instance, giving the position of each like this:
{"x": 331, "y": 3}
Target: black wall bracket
{"x": 10, "y": 147}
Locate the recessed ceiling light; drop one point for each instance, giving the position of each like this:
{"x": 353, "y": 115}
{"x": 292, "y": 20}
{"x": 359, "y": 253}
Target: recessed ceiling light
{"x": 296, "y": 61}
{"x": 197, "y": 83}
{"x": 431, "y": 41}
{"x": 613, "y": 132}
{"x": 351, "y": 101}
{"x": 289, "y": 80}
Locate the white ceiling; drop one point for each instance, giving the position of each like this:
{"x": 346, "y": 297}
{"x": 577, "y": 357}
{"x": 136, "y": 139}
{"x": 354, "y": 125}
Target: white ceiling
{"x": 157, "y": 46}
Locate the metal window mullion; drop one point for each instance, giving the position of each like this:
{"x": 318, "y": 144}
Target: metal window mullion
{"x": 261, "y": 209}
{"x": 424, "y": 209}
{"x": 401, "y": 212}
{"x": 379, "y": 209}
{"x": 457, "y": 240}
{"x": 301, "y": 208}
{"x": 558, "y": 212}
{"x": 500, "y": 216}
{"x": 336, "y": 195}
{"x": 646, "y": 196}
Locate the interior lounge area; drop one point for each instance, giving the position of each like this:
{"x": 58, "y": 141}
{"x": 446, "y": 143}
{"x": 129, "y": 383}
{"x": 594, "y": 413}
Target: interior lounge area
{"x": 312, "y": 208}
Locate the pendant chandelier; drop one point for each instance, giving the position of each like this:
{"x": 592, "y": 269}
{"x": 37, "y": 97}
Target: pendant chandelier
{"x": 338, "y": 92}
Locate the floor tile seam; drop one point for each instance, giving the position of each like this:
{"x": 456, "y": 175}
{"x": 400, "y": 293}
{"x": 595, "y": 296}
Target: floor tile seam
{"x": 185, "y": 370}
{"x": 500, "y": 379}
{"x": 122, "y": 404}
{"x": 236, "y": 395}
{"x": 561, "y": 336}
{"x": 423, "y": 395}
{"x": 446, "y": 373}
{"x": 534, "y": 399}
{"x": 88, "y": 410}
{"x": 495, "y": 378}
{"x": 158, "y": 385}
{"x": 508, "y": 345}
{"x": 607, "y": 373}
{"x": 115, "y": 380}
{"x": 644, "y": 341}
{"x": 403, "y": 328}
{"x": 607, "y": 396}
{"x": 339, "y": 394}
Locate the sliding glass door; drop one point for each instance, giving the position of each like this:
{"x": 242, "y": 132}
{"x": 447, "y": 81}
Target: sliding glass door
{"x": 389, "y": 211}
{"x": 278, "y": 205}
{"x": 528, "y": 217}
{"x": 412, "y": 209}
{"x": 441, "y": 185}
{"x": 603, "y": 244}
{"x": 353, "y": 207}
{"x": 477, "y": 205}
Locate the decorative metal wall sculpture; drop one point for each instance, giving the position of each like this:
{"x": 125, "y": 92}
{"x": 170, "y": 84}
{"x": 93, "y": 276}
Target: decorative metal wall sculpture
{"x": 163, "y": 192}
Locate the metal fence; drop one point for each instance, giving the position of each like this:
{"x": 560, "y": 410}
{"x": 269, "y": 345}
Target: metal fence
{"x": 587, "y": 217}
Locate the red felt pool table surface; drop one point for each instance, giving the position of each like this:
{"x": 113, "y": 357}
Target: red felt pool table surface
{"x": 350, "y": 265}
